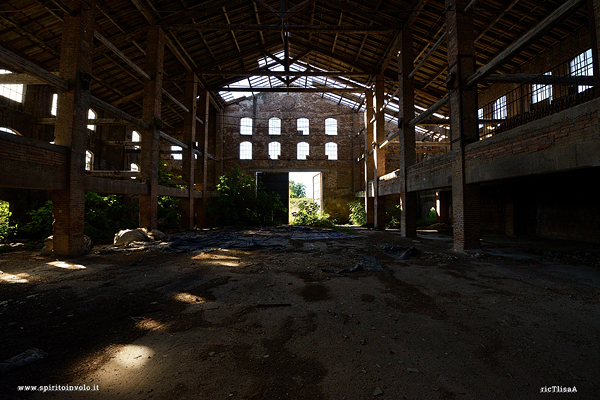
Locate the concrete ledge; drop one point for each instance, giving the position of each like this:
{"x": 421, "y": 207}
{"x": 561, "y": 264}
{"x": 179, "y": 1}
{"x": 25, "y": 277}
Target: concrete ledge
{"x": 112, "y": 186}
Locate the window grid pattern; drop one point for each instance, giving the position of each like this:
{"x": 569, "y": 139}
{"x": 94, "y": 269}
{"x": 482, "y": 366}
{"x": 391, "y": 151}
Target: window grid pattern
{"x": 302, "y": 150}
{"x": 331, "y": 151}
{"x": 541, "y": 92}
{"x": 500, "y": 108}
{"x": 302, "y": 124}
{"x": 274, "y": 126}
{"x": 246, "y": 126}
{"x": 582, "y": 65}
{"x": 274, "y": 150}
{"x": 11, "y": 91}
{"x": 245, "y": 151}
{"x": 331, "y": 126}
{"x": 176, "y": 156}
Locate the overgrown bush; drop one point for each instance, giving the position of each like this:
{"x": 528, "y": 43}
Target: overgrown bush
{"x": 40, "y": 225}
{"x": 106, "y": 215}
{"x": 393, "y": 215}
{"x": 6, "y": 229}
{"x": 430, "y": 219}
{"x": 240, "y": 203}
{"x": 309, "y": 214}
{"x": 358, "y": 216}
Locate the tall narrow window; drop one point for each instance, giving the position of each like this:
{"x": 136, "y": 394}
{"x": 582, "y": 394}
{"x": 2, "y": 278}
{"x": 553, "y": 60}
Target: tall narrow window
{"x": 331, "y": 151}
{"x": 54, "y": 107}
{"x": 274, "y": 126}
{"x": 302, "y": 150}
{"x": 540, "y": 92}
{"x": 92, "y": 115}
{"x": 302, "y": 125}
{"x": 134, "y": 168}
{"x": 89, "y": 160}
{"x": 500, "y": 108}
{"x": 245, "y": 151}
{"x": 274, "y": 150}
{"x": 178, "y": 155}
{"x": 11, "y": 91}
{"x": 582, "y": 65}
{"x": 331, "y": 126}
{"x": 480, "y": 116}
{"x": 135, "y": 137}
{"x": 246, "y": 126}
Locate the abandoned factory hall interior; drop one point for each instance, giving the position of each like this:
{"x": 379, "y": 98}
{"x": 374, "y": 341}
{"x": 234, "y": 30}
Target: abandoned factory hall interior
{"x": 299, "y": 199}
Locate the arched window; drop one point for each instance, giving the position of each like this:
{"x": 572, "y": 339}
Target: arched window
{"x": 246, "y": 126}
{"x": 11, "y": 91}
{"x": 89, "y": 160}
{"x": 54, "y": 108}
{"x": 302, "y": 150}
{"x": 135, "y": 137}
{"x": 331, "y": 151}
{"x": 274, "y": 150}
{"x": 245, "y": 151}
{"x": 302, "y": 125}
{"x": 8, "y": 130}
{"x": 274, "y": 126}
{"x": 331, "y": 126}
{"x": 134, "y": 168}
{"x": 176, "y": 156}
{"x": 92, "y": 115}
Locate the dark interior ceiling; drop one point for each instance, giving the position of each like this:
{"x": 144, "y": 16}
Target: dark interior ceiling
{"x": 232, "y": 35}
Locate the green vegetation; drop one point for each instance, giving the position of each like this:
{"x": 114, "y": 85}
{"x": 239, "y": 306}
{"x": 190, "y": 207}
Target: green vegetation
{"x": 6, "y": 229}
{"x": 40, "y": 225}
{"x": 309, "y": 214}
{"x": 393, "y": 215}
{"x": 358, "y": 216}
{"x": 297, "y": 190}
{"x": 240, "y": 203}
{"x": 430, "y": 219}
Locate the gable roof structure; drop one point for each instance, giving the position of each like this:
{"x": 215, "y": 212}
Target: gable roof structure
{"x": 336, "y": 47}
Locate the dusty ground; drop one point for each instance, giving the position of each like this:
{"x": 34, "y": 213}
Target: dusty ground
{"x": 267, "y": 323}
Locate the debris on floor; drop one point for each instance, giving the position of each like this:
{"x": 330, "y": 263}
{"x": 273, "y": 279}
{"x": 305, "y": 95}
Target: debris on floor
{"x": 127, "y": 236}
{"x": 26, "y": 357}
{"x": 365, "y": 263}
{"x": 400, "y": 253}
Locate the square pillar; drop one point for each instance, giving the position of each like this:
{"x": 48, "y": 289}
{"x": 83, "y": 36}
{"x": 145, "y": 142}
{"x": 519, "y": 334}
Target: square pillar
{"x": 71, "y": 128}
{"x": 202, "y": 165}
{"x": 369, "y": 159}
{"x": 152, "y": 116}
{"x": 408, "y": 200}
{"x": 379, "y": 154}
{"x": 463, "y": 122}
{"x": 189, "y": 158}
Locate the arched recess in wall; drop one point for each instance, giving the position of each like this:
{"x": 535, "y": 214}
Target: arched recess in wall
{"x": 274, "y": 150}
{"x": 246, "y": 151}
{"x": 274, "y": 126}
{"x": 331, "y": 150}
{"x": 302, "y": 150}
{"x": 135, "y": 137}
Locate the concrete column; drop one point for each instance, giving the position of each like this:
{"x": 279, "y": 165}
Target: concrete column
{"x": 71, "y": 127}
{"x": 408, "y": 200}
{"x": 463, "y": 122}
{"x": 379, "y": 154}
{"x": 369, "y": 159}
{"x": 152, "y": 116}
{"x": 202, "y": 165}
{"x": 443, "y": 197}
{"x": 189, "y": 138}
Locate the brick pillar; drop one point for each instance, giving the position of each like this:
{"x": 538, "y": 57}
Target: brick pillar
{"x": 369, "y": 159}
{"x": 189, "y": 138}
{"x": 443, "y": 197}
{"x": 219, "y": 144}
{"x": 152, "y": 116}
{"x": 71, "y": 127}
{"x": 379, "y": 154}
{"x": 463, "y": 122}
{"x": 593, "y": 9}
{"x": 202, "y": 165}
{"x": 408, "y": 200}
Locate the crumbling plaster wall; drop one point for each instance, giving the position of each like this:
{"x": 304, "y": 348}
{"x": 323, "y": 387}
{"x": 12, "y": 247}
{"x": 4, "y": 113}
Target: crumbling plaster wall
{"x": 339, "y": 176}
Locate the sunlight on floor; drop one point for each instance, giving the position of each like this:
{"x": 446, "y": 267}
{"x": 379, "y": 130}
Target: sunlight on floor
{"x": 18, "y": 278}
{"x": 65, "y": 265}
{"x": 219, "y": 259}
{"x": 133, "y": 356}
{"x": 189, "y": 298}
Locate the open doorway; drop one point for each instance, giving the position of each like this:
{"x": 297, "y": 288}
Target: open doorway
{"x": 305, "y": 186}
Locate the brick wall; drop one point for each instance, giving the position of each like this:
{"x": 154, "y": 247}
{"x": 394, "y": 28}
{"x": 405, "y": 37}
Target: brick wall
{"x": 339, "y": 176}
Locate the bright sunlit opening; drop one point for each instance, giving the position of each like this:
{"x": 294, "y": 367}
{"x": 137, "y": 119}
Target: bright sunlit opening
{"x": 65, "y": 265}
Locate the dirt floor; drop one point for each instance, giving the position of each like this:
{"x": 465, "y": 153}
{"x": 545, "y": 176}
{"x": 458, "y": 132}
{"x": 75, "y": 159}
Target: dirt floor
{"x": 297, "y": 320}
